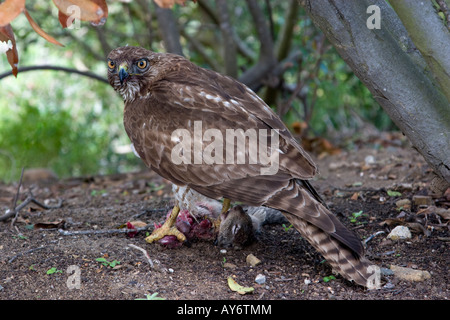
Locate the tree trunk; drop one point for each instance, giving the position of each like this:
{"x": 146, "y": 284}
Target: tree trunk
{"x": 388, "y": 63}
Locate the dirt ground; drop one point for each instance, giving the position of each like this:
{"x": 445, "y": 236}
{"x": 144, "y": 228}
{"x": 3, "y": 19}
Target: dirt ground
{"x": 38, "y": 263}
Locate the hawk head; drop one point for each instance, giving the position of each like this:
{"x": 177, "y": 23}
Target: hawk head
{"x": 131, "y": 70}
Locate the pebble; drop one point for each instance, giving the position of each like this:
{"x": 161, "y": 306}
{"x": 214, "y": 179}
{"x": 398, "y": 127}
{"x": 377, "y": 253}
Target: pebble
{"x": 399, "y": 233}
{"x": 252, "y": 260}
{"x": 410, "y": 274}
{"x": 229, "y": 265}
{"x": 419, "y": 200}
{"x": 260, "y": 279}
{"x": 405, "y": 203}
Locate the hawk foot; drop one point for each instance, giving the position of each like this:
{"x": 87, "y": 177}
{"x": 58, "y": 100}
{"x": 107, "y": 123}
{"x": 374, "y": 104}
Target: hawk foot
{"x": 167, "y": 229}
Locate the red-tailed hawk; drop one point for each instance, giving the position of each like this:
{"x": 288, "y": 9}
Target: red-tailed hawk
{"x": 179, "y": 118}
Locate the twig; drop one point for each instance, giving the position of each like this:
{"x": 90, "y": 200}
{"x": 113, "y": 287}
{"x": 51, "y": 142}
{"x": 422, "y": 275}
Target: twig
{"x": 373, "y": 236}
{"x": 156, "y": 266}
{"x": 28, "y": 200}
{"x": 144, "y": 252}
{"x": 103, "y": 231}
{"x": 26, "y": 252}
{"x": 18, "y": 190}
{"x": 56, "y": 68}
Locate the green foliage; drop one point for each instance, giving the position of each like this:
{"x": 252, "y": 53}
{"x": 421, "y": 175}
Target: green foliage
{"x": 355, "y": 216}
{"x": 106, "y": 263}
{"x": 392, "y": 193}
{"x": 53, "y": 270}
{"x": 153, "y": 296}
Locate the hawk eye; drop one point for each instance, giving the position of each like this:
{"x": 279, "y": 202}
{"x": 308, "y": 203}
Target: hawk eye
{"x": 111, "y": 64}
{"x": 142, "y": 63}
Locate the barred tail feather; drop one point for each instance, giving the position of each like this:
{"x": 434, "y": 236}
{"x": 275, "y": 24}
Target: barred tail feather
{"x": 345, "y": 261}
{"x": 338, "y": 245}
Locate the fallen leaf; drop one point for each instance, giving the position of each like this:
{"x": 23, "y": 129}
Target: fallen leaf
{"x": 138, "y": 223}
{"x": 9, "y": 10}
{"x": 6, "y": 33}
{"x": 444, "y": 213}
{"x": 50, "y": 225}
{"x": 234, "y": 286}
{"x": 39, "y": 31}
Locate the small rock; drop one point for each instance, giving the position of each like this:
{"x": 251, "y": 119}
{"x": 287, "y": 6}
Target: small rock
{"x": 223, "y": 251}
{"x": 252, "y": 260}
{"x": 403, "y": 203}
{"x": 419, "y": 200}
{"x": 410, "y": 274}
{"x": 389, "y": 285}
{"x": 399, "y": 233}
{"x": 229, "y": 265}
{"x": 260, "y": 279}
{"x": 369, "y": 160}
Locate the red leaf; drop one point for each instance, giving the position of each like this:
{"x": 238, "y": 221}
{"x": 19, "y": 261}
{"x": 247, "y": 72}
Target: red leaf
{"x": 9, "y": 10}
{"x": 95, "y": 11}
{"x": 6, "y": 33}
{"x": 64, "y": 20}
{"x": 39, "y": 31}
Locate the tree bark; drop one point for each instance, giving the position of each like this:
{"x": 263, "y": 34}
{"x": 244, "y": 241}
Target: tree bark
{"x": 388, "y": 63}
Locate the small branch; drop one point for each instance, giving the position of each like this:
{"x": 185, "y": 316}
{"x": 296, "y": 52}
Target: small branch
{"x": 16, "y": 197}
{"x": 242, "y": 48}
{"x": 146, "y": 255}
{"x": 168, "y": 29}
{"x": 285, "y": 39}
{"x": 28, "y": 200}
{"x": 229, "y": 46}
{"x": 26, "y": 252}
{"x": 56, "y": 68}
{"x": 156, "y": 266}
{"x": 253, "y": 76}
{"x": 18, "y": 190}
{"x": 196, "y": 45}
{"x": 103, "y": 231}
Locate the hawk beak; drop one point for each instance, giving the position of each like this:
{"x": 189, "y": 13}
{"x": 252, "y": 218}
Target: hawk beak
{"x": 123, "y": 74}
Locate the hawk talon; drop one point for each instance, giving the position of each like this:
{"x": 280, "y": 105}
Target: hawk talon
{"x": 225, "y": 208}
{"x": 168, "y": 228}
{"x": 226, "y": 205}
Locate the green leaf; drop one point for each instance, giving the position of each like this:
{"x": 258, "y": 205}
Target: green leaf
{"x": 329, "y": 278}
{"x": 234, "y": 286}
{"x": 393, "y": 193}
{"x": 153, "y": 296}
{"x": 53, "y": 270}
{"x": 114, "y": 263}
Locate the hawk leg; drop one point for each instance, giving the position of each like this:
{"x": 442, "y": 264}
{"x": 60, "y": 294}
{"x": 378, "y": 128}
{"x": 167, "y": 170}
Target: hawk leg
{"x": 168, "y": 228}
{"x": 225, "y": 207}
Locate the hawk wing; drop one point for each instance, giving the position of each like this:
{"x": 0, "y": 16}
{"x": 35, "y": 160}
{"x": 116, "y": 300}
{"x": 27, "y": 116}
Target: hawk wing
{"x": 177, "y": 101}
